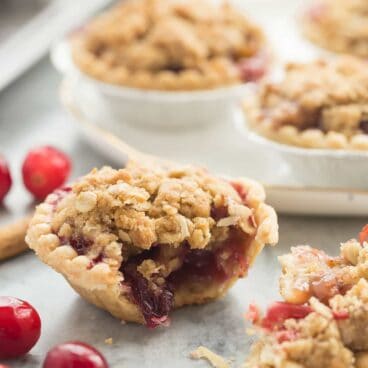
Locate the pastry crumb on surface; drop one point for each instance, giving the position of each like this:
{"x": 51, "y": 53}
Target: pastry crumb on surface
{"x": 214, "y": 359}
{"x": 171, "y": 45}
{"x": 320, "y": 104}
{"x": 141, "y": 241}
{"x": 109, "y": 341}
{"x": 338, "y": 25}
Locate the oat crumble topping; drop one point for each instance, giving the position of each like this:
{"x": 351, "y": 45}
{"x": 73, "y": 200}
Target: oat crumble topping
{"x": 338, "y": 25}
{"x": 171, "y": 45}
{"x": 321, "y": 104}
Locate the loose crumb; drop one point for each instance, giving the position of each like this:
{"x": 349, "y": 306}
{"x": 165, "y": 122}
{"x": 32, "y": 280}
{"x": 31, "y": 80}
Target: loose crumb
{"x": 109, "y": 341}
{"x": 215, "y": 360}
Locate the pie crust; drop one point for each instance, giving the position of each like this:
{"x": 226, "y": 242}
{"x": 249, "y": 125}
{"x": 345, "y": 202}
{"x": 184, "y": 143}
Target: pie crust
{"x": 338, "y": 25}
{"x": 139, "y": 241}
{"x": 321, "y": 104}
{"x": 171, "y": 45}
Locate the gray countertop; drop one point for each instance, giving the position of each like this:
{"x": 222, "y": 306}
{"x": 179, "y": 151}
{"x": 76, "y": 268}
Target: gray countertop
{"x": 30, "y": 115}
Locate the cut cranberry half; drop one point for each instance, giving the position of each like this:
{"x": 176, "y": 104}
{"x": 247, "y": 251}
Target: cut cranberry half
{"x": 20, "y": 327}
{"x": 5, "y": 179}
{"x": 74, "y": 354}
{"x": 279, "y": 312}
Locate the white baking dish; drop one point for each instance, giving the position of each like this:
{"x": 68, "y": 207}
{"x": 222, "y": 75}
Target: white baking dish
{"x": 155, "y": 108}
{"x": 323, "y": 168}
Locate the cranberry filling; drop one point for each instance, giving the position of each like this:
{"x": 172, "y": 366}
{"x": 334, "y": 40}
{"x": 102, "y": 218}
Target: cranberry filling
{"x": 198, "y": 265}
{"x": 217, "y": 213}
{"x": 154, "y": 303}
{"x": 254, "y": 68}
{"x": 240, "y": 190}
{"x": 80, "y": 244}
{"x": 364, "y": 126}
{"x": 279, "y": 312}
{"x": 60, "y": 194}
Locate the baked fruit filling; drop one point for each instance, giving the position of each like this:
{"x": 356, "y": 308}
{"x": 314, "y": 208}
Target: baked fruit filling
{"x": 171, "y": 45}
{"x": 141, "y": 241}
{"x": 321, "y": 104}
{"x": 338, "y": 25}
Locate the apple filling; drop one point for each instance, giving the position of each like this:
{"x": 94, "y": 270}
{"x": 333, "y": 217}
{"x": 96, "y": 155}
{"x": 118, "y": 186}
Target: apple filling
{"x": 154, "y": 276}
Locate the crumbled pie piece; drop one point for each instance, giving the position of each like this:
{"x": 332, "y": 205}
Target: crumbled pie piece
{"x": 339, "y": 282}
{"x": 308, "y": 272}
{"x": 338, "y": 25}
{"x": 171, "y": 45}
{"x": 299, "y": 336}
{"x": 141, "y": 241}
{"x": 321, "y": 104}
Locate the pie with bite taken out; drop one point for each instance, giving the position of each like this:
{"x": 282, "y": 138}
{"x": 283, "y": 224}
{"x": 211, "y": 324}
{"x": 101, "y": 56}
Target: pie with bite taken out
{"x": 338, "y": 25}
{"x": 171, "y": 45}
{"x": 320, "y": 104}
{"x": 141, "y": 241}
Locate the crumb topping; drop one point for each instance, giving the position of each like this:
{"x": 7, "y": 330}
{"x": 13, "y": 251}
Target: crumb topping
{"x": 142, "y": 208}
{"x": 170, "y": 44}
{"x": 320, "y": 104}
{"x": 338, "y": 25}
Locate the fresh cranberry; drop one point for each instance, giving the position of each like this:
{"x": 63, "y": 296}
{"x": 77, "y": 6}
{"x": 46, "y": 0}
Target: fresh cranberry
{"x": 5, "y": 179}
{"x": 20, "y": 327}
{"x": 252, "y": 69}
{"x": 279, "y": 312}
{"x": 44, "y": 170}
{"x": 74, "y": 354}
{"x": 4, "y": 366}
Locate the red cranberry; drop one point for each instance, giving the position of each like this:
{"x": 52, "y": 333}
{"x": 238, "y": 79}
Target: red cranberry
{"x": 74, "y": 354}
{"x": 5, "y": 179}
{"x": 20, "y": 327}
{"x": 44, "y": 170}
{"x": 4, "y": 366}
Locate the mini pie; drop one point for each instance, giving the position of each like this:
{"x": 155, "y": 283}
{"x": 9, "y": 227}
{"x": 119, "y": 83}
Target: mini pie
{"x": 171, "y": 45}
{"x": 321, "y": 104}
{"x": 141, "y": 241}
{"x": 338, "y": 25}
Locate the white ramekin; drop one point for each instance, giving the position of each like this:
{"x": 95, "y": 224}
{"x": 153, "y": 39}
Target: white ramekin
{"x": 323, "y": 168}
{"x": 155, "y": 108}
